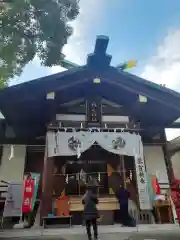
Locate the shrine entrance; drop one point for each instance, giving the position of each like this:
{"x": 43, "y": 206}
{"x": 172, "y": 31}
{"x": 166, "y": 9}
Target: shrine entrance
{"x": 80, "y": 171}
{"x": 109, "y": 158}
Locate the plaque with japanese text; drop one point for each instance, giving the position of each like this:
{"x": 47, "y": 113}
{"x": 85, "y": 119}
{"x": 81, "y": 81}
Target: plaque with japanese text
{"x": 93, "y": 112}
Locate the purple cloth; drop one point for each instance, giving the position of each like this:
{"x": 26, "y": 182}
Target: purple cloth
{"x": 123, "y": 195}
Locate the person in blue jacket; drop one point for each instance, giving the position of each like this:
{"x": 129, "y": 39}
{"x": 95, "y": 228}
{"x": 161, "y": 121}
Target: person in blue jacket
{"x": 91, "y": 214}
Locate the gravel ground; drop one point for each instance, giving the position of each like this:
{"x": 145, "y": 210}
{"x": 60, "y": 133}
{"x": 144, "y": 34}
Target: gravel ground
{"x": 111, "y": 236}
{"x": 150, "y": 232}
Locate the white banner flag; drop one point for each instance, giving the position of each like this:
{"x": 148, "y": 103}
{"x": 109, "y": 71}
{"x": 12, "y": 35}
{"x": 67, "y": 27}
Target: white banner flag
{"x": 142, "y": 183}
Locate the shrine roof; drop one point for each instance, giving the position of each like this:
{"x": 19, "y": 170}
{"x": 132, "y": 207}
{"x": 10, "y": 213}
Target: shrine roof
{"x": 25, "y": 106}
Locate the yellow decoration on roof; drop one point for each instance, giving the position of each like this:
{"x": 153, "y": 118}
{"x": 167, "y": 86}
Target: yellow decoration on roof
{"x": 96, "y": 80}
{"x": 142, "y": 99}
{"x": 50, "y": 95}
{"x": 131, "y": 64}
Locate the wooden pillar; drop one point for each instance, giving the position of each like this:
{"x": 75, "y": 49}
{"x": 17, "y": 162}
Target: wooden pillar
{"x": 167, "y": 158}
{"x": 48, "y": 167}
{"x": 47, "y": 186}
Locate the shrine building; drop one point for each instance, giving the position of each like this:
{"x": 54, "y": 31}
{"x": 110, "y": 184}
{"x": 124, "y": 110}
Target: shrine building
{"x": 90, "y": 122}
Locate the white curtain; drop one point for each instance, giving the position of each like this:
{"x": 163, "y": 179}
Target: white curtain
{"x": 61, "y": 143}
{"x": 118, "y": 143}
{"x": 122, "y": 143}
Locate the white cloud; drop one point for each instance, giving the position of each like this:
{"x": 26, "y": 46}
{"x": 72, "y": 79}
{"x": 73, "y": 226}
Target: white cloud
{"x": 164, "y": 68}
{"x": 78, "y": 45}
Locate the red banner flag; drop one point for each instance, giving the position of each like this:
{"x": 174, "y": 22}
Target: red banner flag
{"x": 29, "y": 184}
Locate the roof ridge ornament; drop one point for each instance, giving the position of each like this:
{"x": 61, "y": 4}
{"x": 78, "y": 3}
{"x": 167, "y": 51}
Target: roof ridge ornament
{"x": 99, "y": 58}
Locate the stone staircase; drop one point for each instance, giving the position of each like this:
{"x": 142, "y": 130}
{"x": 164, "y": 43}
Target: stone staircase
{"x": 141, "y": 217}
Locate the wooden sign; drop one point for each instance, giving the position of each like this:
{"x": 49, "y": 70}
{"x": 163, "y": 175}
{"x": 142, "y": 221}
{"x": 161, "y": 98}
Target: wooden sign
{"x": 93, "y": 112}
{"x": 144, "y": 198}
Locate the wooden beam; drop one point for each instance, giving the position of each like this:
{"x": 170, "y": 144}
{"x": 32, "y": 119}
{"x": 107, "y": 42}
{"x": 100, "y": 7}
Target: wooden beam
{"x": 73, "y": 103}
{"x": 22, "y": 141}
{"x": 81, "y": 109}
{"x": 81, "y": 76}
{"x": 111, "y": 103}
{"x": 137, "y": 107}
{"x": 143, "y": 91}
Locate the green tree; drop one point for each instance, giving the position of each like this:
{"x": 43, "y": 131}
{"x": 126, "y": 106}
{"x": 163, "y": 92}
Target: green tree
{"x": 33, "y": 28}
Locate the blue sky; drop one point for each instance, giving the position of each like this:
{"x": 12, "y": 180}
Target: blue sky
{"x": 140, "y": 25}
{"x": 148, "y": 31}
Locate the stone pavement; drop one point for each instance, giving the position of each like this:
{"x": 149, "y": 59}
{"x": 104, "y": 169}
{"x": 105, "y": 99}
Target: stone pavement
{"x": 115, "y": 232}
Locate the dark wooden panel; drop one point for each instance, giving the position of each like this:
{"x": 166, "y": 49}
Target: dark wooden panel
{"x": 81, "y": 109}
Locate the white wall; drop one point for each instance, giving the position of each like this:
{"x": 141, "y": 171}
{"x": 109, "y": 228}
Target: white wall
{"x": 155, "y": 163}
{"x": 175, "y": 159}
{"x": 13, "y": 170}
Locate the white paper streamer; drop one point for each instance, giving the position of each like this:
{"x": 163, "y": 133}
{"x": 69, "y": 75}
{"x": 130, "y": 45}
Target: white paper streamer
{"x": 12, "y": 152}
{"x": 78, "y": 151}
{"x": 99, "y": 177}
{"x": 77, "y": 176}
{"x": 67, "y": 178}
{"x": 82, "y": 175}
{"x": 130, "y": 176}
